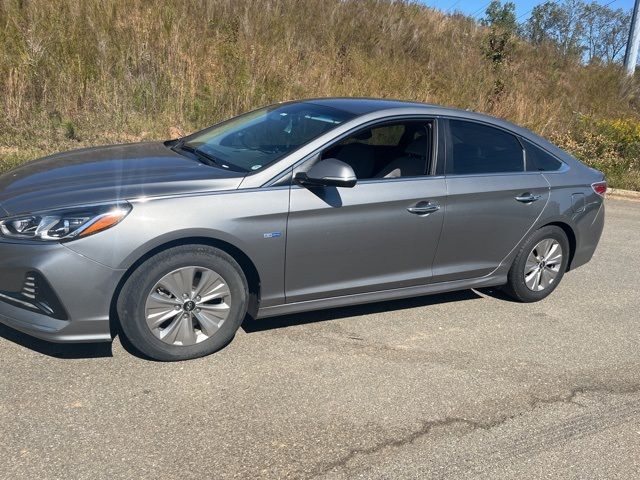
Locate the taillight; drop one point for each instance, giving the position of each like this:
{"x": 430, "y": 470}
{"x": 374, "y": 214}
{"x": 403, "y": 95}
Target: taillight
{"x": 600, "y": 187}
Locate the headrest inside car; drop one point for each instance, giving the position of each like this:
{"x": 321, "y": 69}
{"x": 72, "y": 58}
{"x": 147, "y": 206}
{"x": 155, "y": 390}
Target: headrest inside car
{"x": 418, "y": 147}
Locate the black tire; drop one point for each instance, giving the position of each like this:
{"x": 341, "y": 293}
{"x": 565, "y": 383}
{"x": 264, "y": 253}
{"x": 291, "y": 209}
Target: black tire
{"x": 516, "y": 286}
{"x": 133, "y": 297}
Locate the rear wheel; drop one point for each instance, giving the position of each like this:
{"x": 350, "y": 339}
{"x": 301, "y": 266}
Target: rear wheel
{"x": 183, "y": 303}
{"x": 539, "y": 265}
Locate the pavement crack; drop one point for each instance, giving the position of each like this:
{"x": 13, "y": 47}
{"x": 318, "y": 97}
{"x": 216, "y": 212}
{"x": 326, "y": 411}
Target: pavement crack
{"x": 428, "y": 426}
{"x": 425, "y": 429}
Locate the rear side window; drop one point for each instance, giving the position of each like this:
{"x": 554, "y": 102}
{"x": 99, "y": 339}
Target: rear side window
{"x": 477, "y": 148}
{"x": 538, "y": 160}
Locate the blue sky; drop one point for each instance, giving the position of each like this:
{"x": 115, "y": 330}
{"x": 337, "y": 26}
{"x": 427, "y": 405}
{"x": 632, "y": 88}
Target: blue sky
{"x": 523, "y": 7}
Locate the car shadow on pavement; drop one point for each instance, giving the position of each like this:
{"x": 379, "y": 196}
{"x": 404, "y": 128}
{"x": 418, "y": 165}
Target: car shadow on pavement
{"x": 251, "y": 325}
{"x": 56, "y": 350}
{"x": 495, "y": 292}
{"x": 101, "y": 350}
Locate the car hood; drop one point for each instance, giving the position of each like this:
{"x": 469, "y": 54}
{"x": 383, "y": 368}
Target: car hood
{"x": 106, "y": 174}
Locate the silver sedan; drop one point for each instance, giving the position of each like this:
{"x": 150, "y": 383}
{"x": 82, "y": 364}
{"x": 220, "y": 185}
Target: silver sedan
{"x": 293, "y": 207}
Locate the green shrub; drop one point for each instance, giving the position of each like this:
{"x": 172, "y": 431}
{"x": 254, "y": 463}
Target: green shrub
{"x": 612, "y": 146}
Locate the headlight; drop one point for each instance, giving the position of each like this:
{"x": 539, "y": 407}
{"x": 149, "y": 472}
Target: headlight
{"x": 64, "y": 225}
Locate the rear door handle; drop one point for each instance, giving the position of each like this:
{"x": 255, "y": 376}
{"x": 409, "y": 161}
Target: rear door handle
{"x": 424, "y": 208}
{"x": 528, "y": 197}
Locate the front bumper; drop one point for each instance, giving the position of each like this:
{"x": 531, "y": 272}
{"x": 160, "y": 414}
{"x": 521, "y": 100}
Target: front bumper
{"x": 83, "y": 287}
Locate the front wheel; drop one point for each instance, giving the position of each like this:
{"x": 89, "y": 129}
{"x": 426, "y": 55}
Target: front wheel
{"x": 539, "y": 265}
{"x": 183, "y": 303}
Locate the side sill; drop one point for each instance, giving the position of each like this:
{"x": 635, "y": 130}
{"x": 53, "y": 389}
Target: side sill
{"x": 382, "y": 295}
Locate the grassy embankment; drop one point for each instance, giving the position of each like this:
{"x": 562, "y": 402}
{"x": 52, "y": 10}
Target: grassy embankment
{"x": 92, "y": 72}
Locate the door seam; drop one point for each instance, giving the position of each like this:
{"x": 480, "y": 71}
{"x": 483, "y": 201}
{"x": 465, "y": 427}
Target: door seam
{"x": 286, "y": 241}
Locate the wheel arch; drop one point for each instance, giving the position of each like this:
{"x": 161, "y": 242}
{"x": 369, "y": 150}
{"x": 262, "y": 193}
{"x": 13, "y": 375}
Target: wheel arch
{"x": 571, "y": 237}
{"x": 246, "y": 264}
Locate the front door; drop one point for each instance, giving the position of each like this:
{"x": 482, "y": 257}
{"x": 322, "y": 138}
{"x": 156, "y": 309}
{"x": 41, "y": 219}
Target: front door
{"x": 381, "y": 234}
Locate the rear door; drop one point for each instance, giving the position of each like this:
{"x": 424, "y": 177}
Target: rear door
{"x": 380, "y": 234}
{"x": 492, "y": 201}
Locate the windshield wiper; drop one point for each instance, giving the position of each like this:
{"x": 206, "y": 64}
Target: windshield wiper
{"x": 203, "y": 157}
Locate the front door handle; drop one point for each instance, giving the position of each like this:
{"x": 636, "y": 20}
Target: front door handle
{"x": 528, "y": 197}
{"x": 424, "y": 208}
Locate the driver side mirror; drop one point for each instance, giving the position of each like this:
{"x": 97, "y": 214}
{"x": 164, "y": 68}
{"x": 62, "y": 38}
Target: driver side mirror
{"x": 330, "y": 172}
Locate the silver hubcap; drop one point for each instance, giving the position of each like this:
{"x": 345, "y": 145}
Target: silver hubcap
{"x": 543, "y": 265}
{"x": 188, "y": 305}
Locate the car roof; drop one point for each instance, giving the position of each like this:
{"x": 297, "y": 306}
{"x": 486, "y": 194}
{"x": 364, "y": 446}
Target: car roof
{"x": 364, "y": 106}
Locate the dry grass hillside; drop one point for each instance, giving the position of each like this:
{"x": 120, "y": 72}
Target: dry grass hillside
{"x": 76, "y": 73}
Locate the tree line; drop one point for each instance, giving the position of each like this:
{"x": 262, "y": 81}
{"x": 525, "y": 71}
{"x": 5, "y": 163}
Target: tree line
{"x": 578, "y": 30}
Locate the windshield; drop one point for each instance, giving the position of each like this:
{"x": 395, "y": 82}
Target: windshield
{"x": 256, "y": 139}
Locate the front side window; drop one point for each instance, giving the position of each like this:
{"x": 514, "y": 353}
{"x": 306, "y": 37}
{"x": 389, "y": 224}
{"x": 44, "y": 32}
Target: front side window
{"x": 538, "y": 160}
{"x": 254, "y": 140}
{"x": 478, "y": 149}
{"x": 391, "y": 150}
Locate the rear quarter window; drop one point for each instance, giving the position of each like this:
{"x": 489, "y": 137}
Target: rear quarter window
{"x": 538, "y": 160}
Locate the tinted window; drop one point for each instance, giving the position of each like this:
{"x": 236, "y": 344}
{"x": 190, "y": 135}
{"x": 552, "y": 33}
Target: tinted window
{"x": 398, "y": 149}
{"x": 256, "y": 139}
{"x": 477, "y": 148}
{"x": 539, "y": 160}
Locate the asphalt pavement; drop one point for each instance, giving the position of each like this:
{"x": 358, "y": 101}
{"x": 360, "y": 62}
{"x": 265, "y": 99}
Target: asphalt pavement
{"x": 462, "y": 385}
